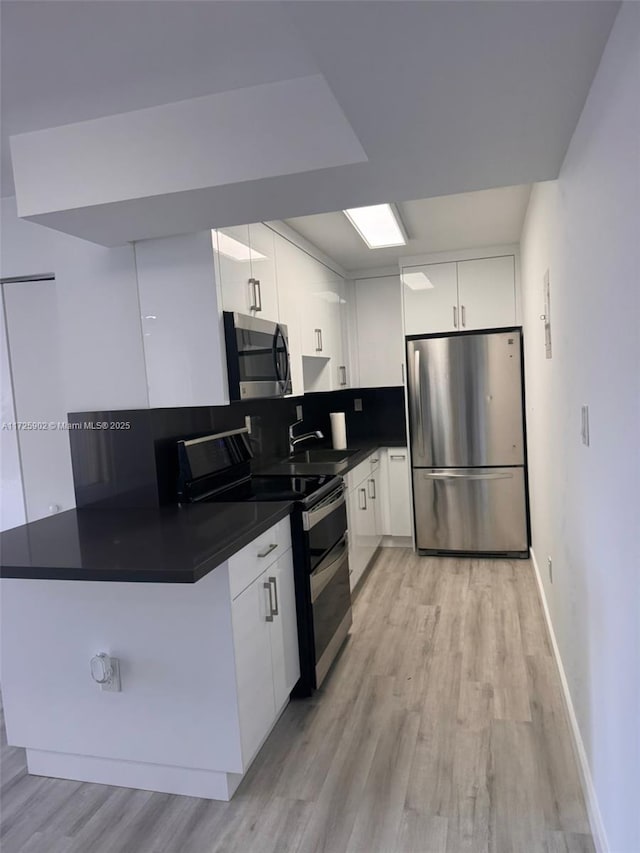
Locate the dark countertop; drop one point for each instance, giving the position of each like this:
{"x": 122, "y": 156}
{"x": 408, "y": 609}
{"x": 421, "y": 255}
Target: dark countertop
{"x": 300, "y": 469}
{"x": 162, "y": 545}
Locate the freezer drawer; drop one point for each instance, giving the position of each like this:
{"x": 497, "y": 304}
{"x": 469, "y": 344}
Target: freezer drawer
{"x": 470, "y": 510}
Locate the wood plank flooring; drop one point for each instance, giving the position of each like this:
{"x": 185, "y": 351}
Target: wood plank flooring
{"x": 441, "y": 729}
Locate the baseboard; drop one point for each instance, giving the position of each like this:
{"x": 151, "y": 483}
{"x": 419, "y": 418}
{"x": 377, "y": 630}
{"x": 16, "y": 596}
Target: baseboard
{"x": 588, "y": 789}
{"x": 397, "y": 542}
{"x": 188, "y": 782}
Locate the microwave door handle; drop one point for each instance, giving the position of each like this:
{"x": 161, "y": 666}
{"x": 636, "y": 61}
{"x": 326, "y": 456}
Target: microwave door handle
{"x": 283, "y": 380}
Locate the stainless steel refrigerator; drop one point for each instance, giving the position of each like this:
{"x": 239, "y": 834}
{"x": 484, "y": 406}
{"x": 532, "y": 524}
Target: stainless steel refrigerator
{"x": 467, "y": 443}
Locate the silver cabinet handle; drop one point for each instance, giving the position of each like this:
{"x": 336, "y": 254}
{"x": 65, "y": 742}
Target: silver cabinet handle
{"x": 455, "y": 317}
{"x": 253, "y": 286}
{"x": 318, "y": 333}
{"x": 463, "y": 314}
{"x": 267, "y": 550}
{"x": 372, "y": 489}
{"x": 320, "y": 330}
{"x": 259, "y": 286}
{"x": 363, "y": 502}
{"x": 343, "y": 374}
{"x": 397, "y": 456}
{"x": 274, "y": 581}
{"x": 402, "y": 372}
{"x": 269, "y": 616}
{"x": 443, "y": 475}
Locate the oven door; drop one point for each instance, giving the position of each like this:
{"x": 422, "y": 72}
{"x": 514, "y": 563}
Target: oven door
{"x": 325, "y": 524}
{"x": 257, "y": 357}
{"x": 331, "y": 606}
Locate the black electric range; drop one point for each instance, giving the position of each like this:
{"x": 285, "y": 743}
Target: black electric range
{"x": 217, "y": 468}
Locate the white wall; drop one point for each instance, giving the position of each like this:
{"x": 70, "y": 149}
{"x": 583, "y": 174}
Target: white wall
{"x": 585, "y": 500}
{"x": 99, "y": 341}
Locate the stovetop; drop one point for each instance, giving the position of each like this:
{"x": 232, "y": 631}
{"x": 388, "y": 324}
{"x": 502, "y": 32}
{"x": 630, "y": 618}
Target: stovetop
{"x": 277, "y": 488}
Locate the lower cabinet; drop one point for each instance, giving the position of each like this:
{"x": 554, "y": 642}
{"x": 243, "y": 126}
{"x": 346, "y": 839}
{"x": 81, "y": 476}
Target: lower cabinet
{"x": 265, "y": 638}
{"x": 364, "y": 515}
{"x": 395, "y": 474}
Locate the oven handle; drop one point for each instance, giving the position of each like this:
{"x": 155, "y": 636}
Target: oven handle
{"x": 322, "y": 575}
{"x": 314, "y": 516}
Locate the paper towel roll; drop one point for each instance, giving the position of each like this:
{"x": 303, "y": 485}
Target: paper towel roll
{"x": 338, "y": 430}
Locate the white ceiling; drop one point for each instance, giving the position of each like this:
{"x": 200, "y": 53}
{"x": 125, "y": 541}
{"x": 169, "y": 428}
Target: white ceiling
{"x": 444, "y": 97}
{"x": 463, "y": 221}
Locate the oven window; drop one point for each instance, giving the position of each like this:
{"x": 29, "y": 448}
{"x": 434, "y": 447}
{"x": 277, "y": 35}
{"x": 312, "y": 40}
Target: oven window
{"x": 324, "y": 535}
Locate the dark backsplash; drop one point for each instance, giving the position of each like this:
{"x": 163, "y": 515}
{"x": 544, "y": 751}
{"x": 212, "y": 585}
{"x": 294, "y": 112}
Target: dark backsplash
{"x": 137, "y": 467}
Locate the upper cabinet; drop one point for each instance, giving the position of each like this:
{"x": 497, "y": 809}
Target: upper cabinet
{"x": 430, "y": 298}
{"x": 378, "y": 313}
{"x": 181, "y": 324}
{"x": 246, "y": 266}
{"x": 487, "y": 293}
{"x": 459, "y": 296}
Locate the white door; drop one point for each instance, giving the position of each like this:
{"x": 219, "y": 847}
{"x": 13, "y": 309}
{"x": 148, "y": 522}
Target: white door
{"x": 254, "y": 674}
{"x": 399, "y": 492}
{"x": 233, "y": 257}
{"x": 263, "y": 270}
{"x": 380, "y": 336}
{"x": 285, "y": 658}
{"x": 430, "y": 298}
{"x": 486, "y": 290}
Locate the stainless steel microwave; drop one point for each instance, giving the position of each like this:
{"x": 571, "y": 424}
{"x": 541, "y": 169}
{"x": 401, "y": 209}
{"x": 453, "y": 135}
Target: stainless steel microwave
{"x": 257, "y": 357}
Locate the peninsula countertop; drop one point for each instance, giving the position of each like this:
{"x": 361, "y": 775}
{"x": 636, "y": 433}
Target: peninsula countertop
{"x": 173, "y": 544}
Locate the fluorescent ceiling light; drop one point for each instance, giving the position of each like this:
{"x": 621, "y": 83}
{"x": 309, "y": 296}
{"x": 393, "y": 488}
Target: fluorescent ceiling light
{"x": 234, "y": 249}
{"x": 378, "y": 225}
{"x": 417, "y": 280}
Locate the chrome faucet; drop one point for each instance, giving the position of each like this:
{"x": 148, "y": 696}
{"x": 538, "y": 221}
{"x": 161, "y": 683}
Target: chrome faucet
{"x": 296, "y": 439}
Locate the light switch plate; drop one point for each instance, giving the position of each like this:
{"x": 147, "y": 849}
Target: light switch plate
{"x": 357, "y": 405}
{"x": 584, "y": 430}
{"x": 299, "y": 413}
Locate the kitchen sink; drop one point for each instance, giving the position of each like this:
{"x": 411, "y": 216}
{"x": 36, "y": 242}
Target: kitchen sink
{"x": 318, "y": 455}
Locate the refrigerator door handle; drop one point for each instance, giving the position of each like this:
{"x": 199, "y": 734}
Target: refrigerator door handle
{"x": 418, "y": 389}
{"x": 449, "y": 475}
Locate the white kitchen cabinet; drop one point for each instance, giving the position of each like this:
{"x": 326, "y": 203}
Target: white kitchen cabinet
{"x": 459, "y": 295}
{"x": 486, "y": 293}
{"x": 181, "y": 323}
{"x": 364, "y": 515}
{"x": 265, "y": 637}
{"x": 396, "y": 492}
{"x": 254, "y": 669}
{"x": 285, "y": 657}
{"x": 246, "y": 263}
{"x": 289, "y": 273}
{"x": 380, "y": 353}
{"x": 430, "y": 298}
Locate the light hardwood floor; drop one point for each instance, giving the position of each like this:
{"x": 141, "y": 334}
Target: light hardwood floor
{"x": 440, "y": 730}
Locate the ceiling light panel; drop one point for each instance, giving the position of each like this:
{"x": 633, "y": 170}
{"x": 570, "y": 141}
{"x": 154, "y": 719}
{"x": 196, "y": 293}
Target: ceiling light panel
{"x": 378, "y": 225}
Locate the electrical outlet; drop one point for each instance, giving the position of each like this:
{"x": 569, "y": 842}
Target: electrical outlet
{"x": 550, "y": 569}
{"x": 299, "y": 413}
{"x": 247, "y": 422}
{"x": 357, "y": 405}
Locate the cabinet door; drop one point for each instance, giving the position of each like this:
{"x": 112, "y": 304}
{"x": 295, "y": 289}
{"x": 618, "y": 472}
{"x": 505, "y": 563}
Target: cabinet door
{"x": 374, "y": 494}
{"x": 263, "y": 270}
{"x": 290, "y": 298}
{"x": 233, "y": 261}
{"x": 380, "y": 337}
{"x": 486, "y": 291}
{"x": 254, "y": 674}
{"x": 399, "y": 492}
{"x": 285, "y": 658}
{"x": 358, "y": 520}
{"x": 430, "y": 298}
